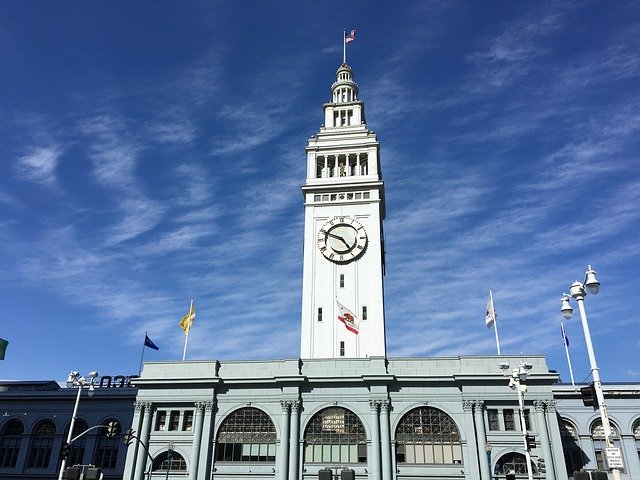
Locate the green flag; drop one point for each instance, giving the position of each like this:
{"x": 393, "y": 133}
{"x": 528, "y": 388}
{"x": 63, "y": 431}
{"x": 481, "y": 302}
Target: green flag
{"x": 3, "y": 347}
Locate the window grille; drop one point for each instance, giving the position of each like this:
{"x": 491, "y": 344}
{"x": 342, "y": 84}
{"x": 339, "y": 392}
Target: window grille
{"x": 107, "y": 448}
{"x": 335, "y": 435}
{"x": 515, "y": 462}
{"x": 41, "y": 445}
{"x": 10, "y": 443}
{"x": 162, "y": 462}
{"x": 428, "y": 435}
{"x": 247, "y": 435}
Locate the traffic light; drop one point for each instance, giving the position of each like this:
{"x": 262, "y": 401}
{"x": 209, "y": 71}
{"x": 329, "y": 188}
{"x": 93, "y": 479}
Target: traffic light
{"x": 72, "y": 473}
{"x": 589, "y": 397}
{"x": 113, "y": 428}
{"x": 541, "y": 466}
{"x": 531, "y": 442}
{"x": 129, "y": 435}
{"x": 65, "y": 448}
{"x": 92, "y": 473}
{"x": 511, "y": 476}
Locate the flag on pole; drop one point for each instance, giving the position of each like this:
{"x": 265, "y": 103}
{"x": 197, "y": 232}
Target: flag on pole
{"x": 350, "y": 37}
{"x": 3, "y": 347}
{"x": 490, "y": 318}
{"x": 564, "y": 335}
{"x": 188, "y": 319}
{"x": 347, "y": 317}
{"x": 149, "y": 343}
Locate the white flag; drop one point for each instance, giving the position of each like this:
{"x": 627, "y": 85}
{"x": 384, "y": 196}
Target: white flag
{"x": 491, "y": 313}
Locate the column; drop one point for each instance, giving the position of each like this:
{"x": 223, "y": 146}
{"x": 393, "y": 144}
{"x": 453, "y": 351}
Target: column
{"x": 374, "y": 466}
{"x": 472, "y": 468}
{"x": 283, "y": 451}
{"x": 385, "y": 436}
{"x": 132, "y": 449}
{"x": 485, "y": 466}
{"x": 205, "y": 459}
{"x": 630, "y": 458}
{"x": 543, "y": 432}
{"x": 144, "y": 436}
{"x": 556, "y": 462}
{"x": 197, "y": 438}
{"x": 294, "y": 441}
{"x": 358, "y": 172}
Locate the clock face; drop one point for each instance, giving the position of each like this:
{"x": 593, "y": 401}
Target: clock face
{"x": 342, "y": 239}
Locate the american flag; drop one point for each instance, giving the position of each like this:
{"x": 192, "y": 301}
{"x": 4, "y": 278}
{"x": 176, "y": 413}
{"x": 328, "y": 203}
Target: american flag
{"x": 350, "y": 37}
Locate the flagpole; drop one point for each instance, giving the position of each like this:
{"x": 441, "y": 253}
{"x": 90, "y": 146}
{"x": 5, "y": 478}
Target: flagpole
{"x": 566, "y": 349}
{"x": 144, "y": 342}
{"x": 495, "y": 321}
{"x": 186, "y": 336}
{"x": 344, "y": 46}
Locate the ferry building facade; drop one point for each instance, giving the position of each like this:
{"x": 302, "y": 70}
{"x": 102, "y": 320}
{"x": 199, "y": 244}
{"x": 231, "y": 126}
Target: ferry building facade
{"x": 343, "y": 407}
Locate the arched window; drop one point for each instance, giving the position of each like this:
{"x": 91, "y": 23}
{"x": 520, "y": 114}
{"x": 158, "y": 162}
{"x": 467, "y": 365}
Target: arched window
{"x": 76, "y": 454}
{"x": 597, "y": 430}
{"x": 108, "y": 444}
{"x": 599, "y": 444}
{"x": 171, "y": 461}
{"x": 428, "y": 435}
{"x": 247, "y": 435}
{"x": 10, "y": 443}
{"x": 513, "y": 462}
{"x": 335, "y": 435}
{"x": 41, "y": 444}
{"x": 636, "y": 429}
{"x": 573, "y": 456}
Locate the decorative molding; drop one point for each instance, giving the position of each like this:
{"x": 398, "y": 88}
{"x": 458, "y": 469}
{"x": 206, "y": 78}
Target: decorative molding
{"x": 467, "y": 405}
{"x": 539, "y": 405}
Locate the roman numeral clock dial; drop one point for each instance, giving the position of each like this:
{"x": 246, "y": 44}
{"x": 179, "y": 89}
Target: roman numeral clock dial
{"x": 342, "y": 239}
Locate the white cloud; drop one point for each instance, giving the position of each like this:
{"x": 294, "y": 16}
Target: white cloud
{"x": 39, "y": 165}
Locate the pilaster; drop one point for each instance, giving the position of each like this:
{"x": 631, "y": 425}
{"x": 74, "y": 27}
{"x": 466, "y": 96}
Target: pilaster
{"x": 385, "y": 436}
{"x": 294, "y": 444}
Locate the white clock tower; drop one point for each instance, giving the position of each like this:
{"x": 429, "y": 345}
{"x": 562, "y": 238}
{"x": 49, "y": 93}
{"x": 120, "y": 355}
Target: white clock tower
{"x": 342, "y": 290}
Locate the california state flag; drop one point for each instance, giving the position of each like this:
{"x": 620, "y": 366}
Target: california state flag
{"x": 347, "y": 317}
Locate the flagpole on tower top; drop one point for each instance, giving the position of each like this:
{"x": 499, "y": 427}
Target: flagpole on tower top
{"x": 344, "y": 46}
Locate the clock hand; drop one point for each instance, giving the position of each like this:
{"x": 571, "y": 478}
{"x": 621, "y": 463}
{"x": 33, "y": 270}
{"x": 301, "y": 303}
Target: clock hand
{"x": 340, "y": 238}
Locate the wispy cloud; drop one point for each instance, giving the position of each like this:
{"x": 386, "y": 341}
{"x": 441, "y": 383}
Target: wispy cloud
{"x": 39, "y": 165}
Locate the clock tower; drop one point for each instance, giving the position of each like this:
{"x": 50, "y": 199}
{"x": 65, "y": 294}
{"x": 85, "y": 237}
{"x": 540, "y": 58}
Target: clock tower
{"x": 342, "y": 290}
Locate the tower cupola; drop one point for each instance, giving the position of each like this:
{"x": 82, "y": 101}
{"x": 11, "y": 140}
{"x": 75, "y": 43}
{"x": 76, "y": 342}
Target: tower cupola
{"x": 344, "y": 110}
{"x": 344, "y": 90}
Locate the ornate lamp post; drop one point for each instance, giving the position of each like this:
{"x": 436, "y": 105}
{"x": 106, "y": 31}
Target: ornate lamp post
{"x": 169, "y": 458}
{"x": 517, "y": 377}
{"x": 578, "y": 291}
{"x": 76, "y": 380}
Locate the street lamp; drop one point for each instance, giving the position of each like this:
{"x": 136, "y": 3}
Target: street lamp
{"x": 578, "y": 291}
{"x": 169, "y": 458}
{"x": 517, "y": 378}
{"x": 76, "y": 380}
{"x": 487, "y": 448}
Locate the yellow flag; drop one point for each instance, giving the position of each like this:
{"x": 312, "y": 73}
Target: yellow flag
{"x": 188, "y": 319}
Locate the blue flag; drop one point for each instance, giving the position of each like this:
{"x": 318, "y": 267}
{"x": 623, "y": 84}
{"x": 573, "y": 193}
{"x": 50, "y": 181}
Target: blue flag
{"x": 149, "y": 343}
{"x": 564, "y": 335}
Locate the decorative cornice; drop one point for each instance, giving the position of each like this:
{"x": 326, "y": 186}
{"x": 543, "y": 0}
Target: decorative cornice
{"x": 467, "y": 405}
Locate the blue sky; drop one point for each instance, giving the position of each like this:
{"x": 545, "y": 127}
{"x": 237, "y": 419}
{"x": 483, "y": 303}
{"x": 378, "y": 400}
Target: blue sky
{"x": 153, "y": 152}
